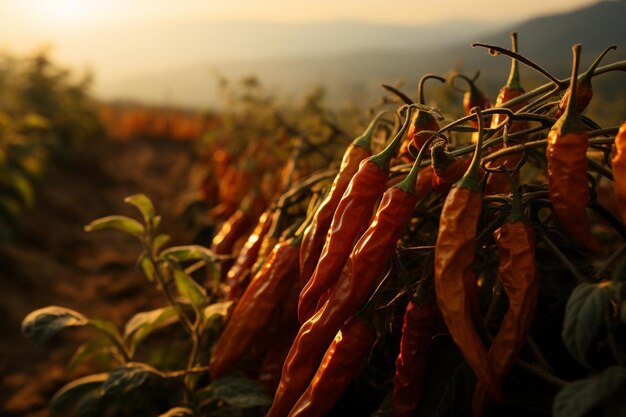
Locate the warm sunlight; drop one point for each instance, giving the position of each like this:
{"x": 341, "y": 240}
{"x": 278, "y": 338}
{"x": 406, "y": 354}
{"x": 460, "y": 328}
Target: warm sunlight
{"x": 66, "y": 12}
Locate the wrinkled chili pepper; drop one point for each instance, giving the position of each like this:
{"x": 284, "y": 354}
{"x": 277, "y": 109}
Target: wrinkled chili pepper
{"x": 473, "y": 97}
{"x": 272, "y": 365}
{"x": 455, "y": 283}
{"x": 315, "y": 236}
{"x": 263, "y": 295}
{"x": 418, "y": 329}
{"x": 340, "y": 365}
{"x": 567, "y": 168}
{"x": 447, "y": 168}
{"x": 239, "y": 274}
{"x": 497, "y": 183}
{"x": 422, "y": 121}
{"x": 349, "y": 221}
{"x": 584, "y": 89}
{"x": 517, "y": 272}
{"x": 619, "y": 170}
{"x": 360, "y": 275}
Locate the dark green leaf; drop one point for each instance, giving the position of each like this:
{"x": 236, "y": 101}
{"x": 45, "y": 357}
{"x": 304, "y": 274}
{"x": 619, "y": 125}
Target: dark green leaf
{"x": 142, "y": 324}
{"x": 99, "y": 346}
{"x": 580, "y": 397}
{"x": 72, "y": 392}
{"x": 178, "y": 412}
{"x": 241, "y": 392}
{"x": 123, "y": 223}
{"x": 584, "y": 317}
{"x": 42, "y": 324}
{"x": 189, "y": 288}
{"x": 129, "y": 377}
{"x": 143, "y": 203}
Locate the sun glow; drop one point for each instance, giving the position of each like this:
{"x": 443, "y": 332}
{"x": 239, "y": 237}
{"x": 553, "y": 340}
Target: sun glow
{"x": 66, "y": 12}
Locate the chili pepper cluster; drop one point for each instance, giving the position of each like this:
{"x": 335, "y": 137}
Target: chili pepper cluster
{"x": 386, "y": 256}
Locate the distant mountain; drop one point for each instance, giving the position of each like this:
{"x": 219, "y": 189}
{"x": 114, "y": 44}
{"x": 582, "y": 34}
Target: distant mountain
{"x": 352, "y": 59}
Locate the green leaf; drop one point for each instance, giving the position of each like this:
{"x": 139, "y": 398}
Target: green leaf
{"x": 24, "y": 189}
{"x": 189, "y": 288}
{"x": 188, "y": 253}
{"x": 70, "y": 393}
{"x": 42, "y": 324}
{"x": 105, "y": 327}
{"x": 178, "y": 412}
{"x": 129, "y": 377}
{"x": 146, "y": 266}
{"x": 143, "y": 203}
{"x": 584, "y": 317}
{"x": 142, "y": 324}
{"x": 94, "y": 347}
{"x": 123, "y": 223}
{"x": 580, "y": 397}
{"x": 159, "y": 241}
{"x": 220, "y": 309}
{"x": 241, "y": 392}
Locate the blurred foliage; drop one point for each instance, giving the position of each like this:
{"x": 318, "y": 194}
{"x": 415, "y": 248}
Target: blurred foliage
{"x": 44, "y": 113}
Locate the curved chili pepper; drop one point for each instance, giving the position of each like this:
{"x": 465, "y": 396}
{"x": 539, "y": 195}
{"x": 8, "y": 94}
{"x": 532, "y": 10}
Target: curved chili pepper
{"x": 360, "y": 275}
{"x": 340, "y": 365}
{"x": 584, "y": 89}
{"x": 518, "y": 273}
{"x": 315, "y": 236}
{"x": 567, "y": 168}
{"x": 418, "y": 329}
{"x": 422, "y": 121}
{"x": 267, "y": 290}
{"x": 272, "y": 365}
{"x": 239, "y": 274}
{"x": 349, "y": 221}
{"x": 473, "y": 97}
{"x": 497, "y": 183}
{"x": 455, "y": 283}
{"x": 233, "y": 229}
{"x": 619, "y": 170}
{"x": 448, "y": 169}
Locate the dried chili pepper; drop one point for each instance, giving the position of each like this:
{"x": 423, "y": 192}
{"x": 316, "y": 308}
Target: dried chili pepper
{"x": 517, "y": 272}
{"x": 447, "y": 168}
{"x": 422, "y": 121}
{"x": 340, "y": 365}
{"x": 418, "y": 329}
{"x": 265, "y": 293}
{"x": 272, "y": 365}
{"x": 455, "y": 283}
{"x": 619, "y": 170}
{"x": 315, "y": 236}
{"x": 584, "y": 90}
{"x": 497, "y": 183}
{"x": 349, "y": 221}
{"x": 567, "y": 168}
{"x": 359, "y": 276}
{"x": 473, "y": 97}
{"x": 239, "y": 274}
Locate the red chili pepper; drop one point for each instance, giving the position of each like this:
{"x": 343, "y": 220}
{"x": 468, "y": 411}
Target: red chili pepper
{"x": 349, "y": 221}
{"x": 619, "y": 170}
{"x": 272, "y": 365}
{"x": 315, "y": 236}
{"x": 360, "y": 275}
{"x": 265, "y": 293}
{"x": 584, "y": 90}
{"x": 418, "y": 329}
{"x": 567, "y": 168}
{"x": 473, "y": 97}
{"x": 239, "y": 274}
{"x": 518, "y": 274}
{"x": 455, "y": 283}
{"x": 447, "y": 168}
{"x": 340, "y": 365}
{"x": 497, "y": 183}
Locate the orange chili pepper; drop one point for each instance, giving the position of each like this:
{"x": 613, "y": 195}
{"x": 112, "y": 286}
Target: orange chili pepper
{"x": 455, "y": 283}
{"x": 619, "y": 170}
{"x": 567, "y": 168}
